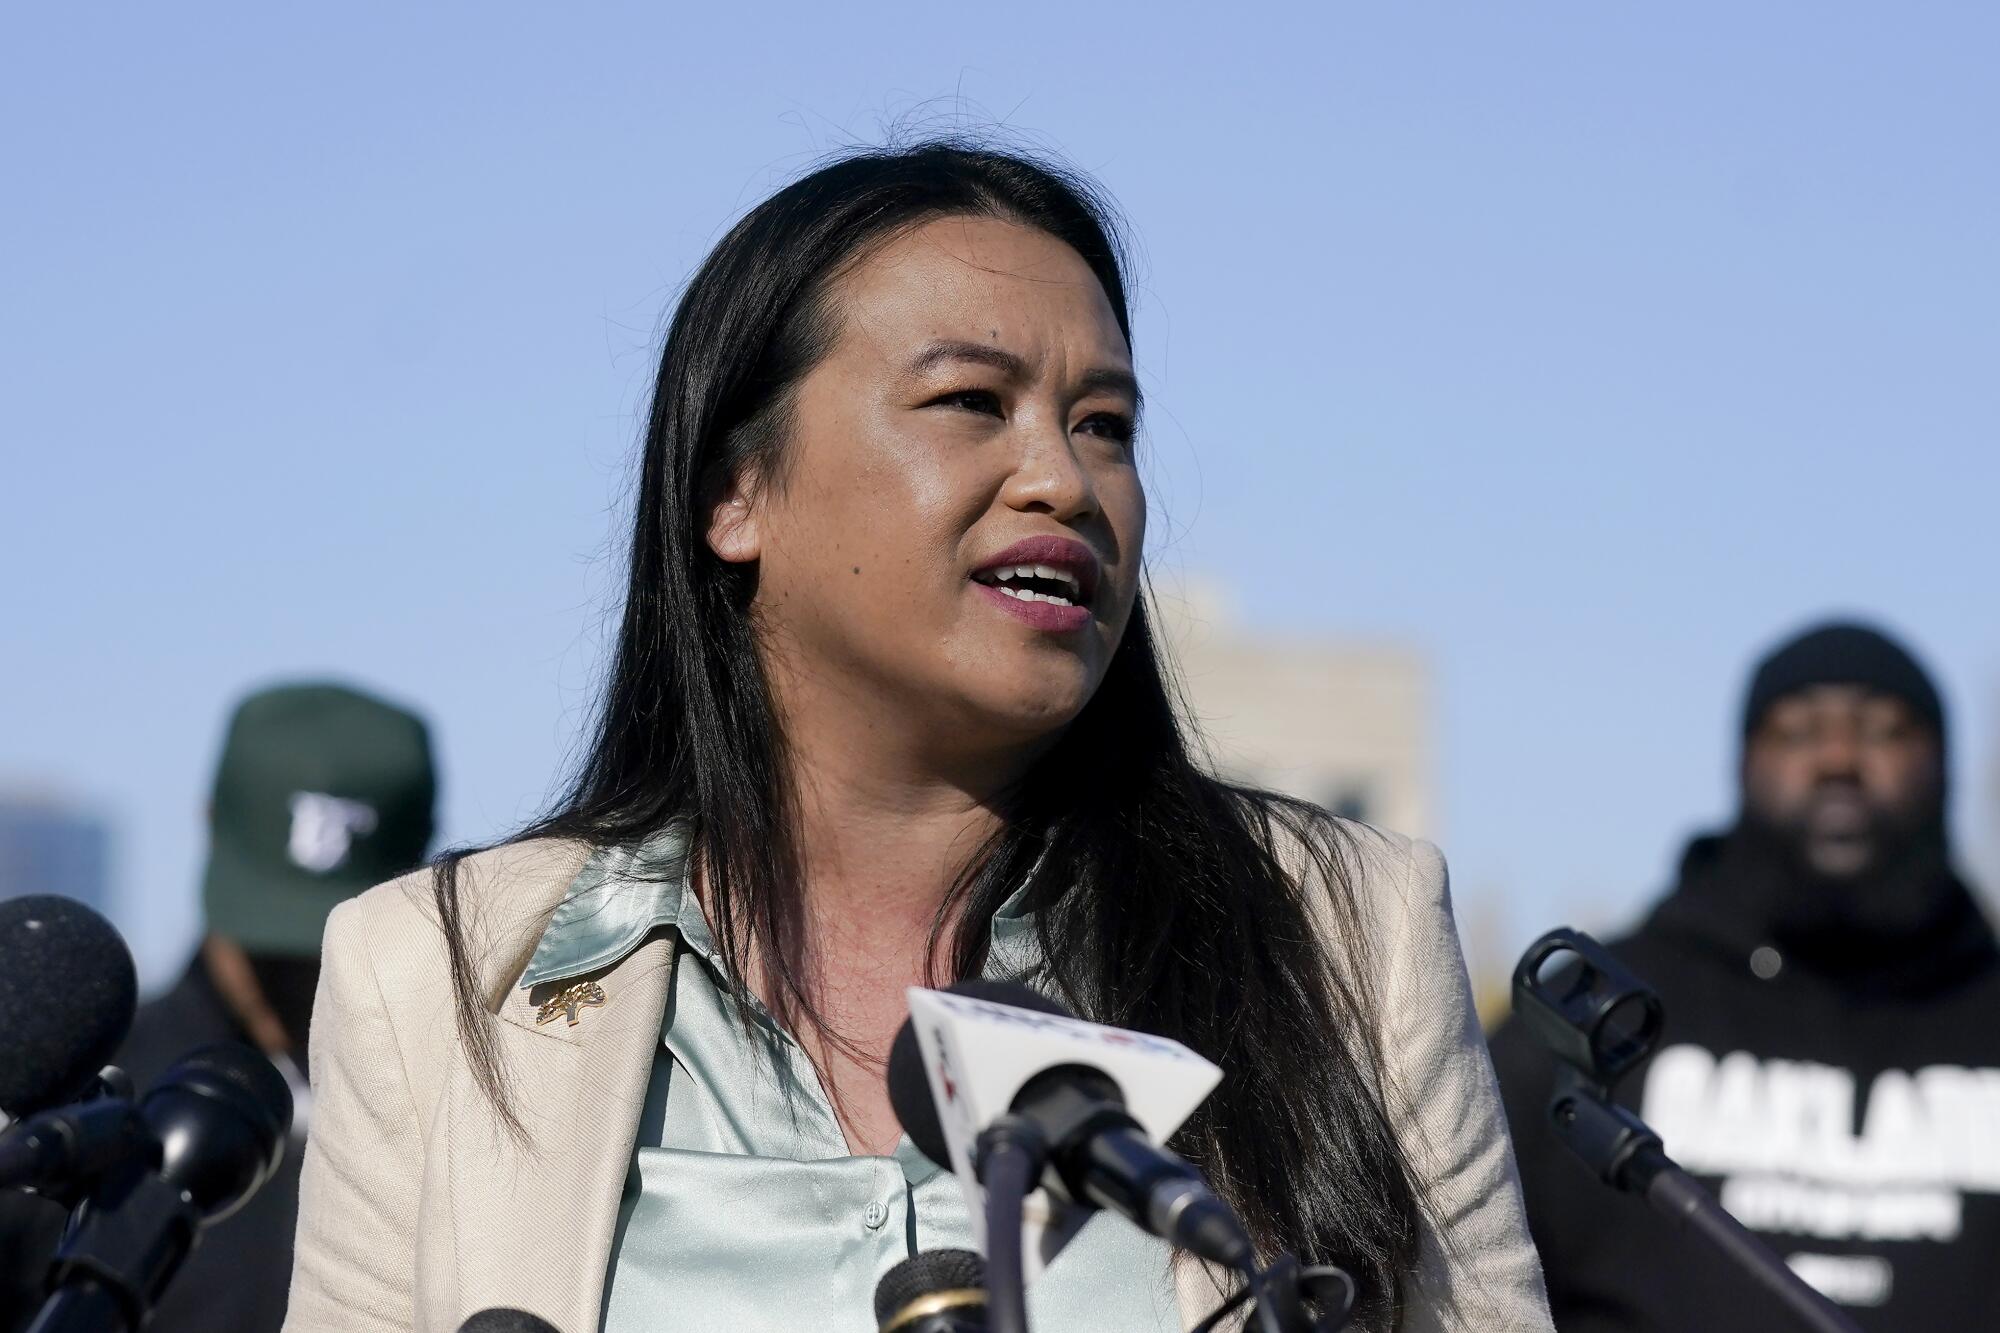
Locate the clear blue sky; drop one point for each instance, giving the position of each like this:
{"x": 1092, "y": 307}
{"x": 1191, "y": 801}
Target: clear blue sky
{"x": 1585, "y": 346}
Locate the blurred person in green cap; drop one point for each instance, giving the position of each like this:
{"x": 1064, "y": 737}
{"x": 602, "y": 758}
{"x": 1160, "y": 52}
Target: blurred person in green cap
{"x": 322, "y": 791}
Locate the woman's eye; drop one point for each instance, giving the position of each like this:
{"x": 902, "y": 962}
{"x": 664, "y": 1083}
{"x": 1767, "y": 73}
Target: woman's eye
{"x": 983, "y": 401}
{"x": 1109, "y": 425}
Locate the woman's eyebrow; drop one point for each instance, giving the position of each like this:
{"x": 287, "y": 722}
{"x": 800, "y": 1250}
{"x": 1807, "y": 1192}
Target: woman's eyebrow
{"x": 1002, "y": 360}
{"x": 1014, "y": 368}
{"x": 1114, "y": 381}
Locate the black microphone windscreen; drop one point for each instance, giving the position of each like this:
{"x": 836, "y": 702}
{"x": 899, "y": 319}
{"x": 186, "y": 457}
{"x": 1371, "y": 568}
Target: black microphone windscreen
{"x": 910, "y": 1084}
{"x": 925, "y": 1273}
{"x": 67, "y": 996}
{"x": 499, "y": 1320}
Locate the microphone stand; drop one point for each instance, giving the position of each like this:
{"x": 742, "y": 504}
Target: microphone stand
{"x": 1011, "y": 1155}
{"x": 1626, "y": 1154}
{"x": 128, "y": 1243}
{"x": 1601, "y": 1021}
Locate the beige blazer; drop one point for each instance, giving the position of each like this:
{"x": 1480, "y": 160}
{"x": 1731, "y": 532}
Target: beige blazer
{"x": 417, "y": 1209}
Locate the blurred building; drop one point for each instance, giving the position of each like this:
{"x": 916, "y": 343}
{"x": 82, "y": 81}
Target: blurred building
{"x": 1343, "y": 724}
{"x": 48, "y": 845}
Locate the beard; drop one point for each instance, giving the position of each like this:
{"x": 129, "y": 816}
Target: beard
{"x": 1903, "y": 888}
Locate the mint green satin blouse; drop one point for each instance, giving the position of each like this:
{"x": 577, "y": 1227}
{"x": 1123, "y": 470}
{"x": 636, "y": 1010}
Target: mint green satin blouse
{"x": 744, "y": 1209}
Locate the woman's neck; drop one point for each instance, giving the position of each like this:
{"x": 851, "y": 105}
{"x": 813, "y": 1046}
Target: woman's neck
{"x": 890, "y": 807}
{"x": 880, "y": 840}
{"x": 879, "y": 850}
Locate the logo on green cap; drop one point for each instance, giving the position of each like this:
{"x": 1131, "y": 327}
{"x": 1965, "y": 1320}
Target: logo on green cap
{"x": 324, "y": 828}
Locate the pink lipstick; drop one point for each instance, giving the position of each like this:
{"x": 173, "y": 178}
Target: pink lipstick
{"x": 1046, "y": 582}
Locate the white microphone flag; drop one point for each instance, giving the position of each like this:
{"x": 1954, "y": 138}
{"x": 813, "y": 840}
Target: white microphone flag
{"x": 978, "y": 1055}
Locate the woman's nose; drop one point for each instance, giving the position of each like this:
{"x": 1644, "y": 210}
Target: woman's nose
{"x": 1048, "y": 476}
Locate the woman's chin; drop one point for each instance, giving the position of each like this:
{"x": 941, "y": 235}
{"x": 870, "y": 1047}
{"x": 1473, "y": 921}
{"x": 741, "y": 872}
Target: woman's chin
{"x": 1035, "y": 711}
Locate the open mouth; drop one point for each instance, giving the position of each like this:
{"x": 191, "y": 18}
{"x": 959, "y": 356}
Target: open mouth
{"x": 1036, "y": 583}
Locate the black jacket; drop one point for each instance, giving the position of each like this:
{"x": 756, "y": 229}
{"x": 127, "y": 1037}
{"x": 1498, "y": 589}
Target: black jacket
{"x": 1839, "y": 1090}
{"x": 237, "y": 1278}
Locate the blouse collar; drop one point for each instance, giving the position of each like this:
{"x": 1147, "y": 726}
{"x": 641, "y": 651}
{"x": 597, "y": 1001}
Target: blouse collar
{"x": 623, "y": 894}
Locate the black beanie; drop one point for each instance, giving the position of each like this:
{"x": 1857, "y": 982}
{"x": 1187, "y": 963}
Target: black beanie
{"x": 1843, "y": 654}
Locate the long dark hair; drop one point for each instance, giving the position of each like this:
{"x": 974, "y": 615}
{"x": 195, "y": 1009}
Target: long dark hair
{"x": 1166, "y": 900}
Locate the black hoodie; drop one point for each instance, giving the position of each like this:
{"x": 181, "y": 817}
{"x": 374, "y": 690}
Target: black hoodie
{"x": 1830, "y": 1068}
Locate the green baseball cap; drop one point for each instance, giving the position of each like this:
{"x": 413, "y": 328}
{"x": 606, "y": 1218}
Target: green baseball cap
{"x": 322, "y": 792}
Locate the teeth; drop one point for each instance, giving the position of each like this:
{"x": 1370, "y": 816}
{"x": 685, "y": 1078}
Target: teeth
{"x": 1060, "y": 575}
{"x": 1046, "y": 572}
{"x": 1029, "y": 595}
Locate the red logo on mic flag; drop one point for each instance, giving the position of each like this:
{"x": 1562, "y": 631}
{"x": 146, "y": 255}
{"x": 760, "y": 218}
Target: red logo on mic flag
{"x": 944, "y": 1072}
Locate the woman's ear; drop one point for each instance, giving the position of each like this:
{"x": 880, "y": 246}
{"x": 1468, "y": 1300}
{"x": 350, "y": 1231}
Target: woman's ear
{"x": 735, "y": 533}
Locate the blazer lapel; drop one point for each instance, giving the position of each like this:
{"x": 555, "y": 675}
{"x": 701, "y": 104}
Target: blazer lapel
{"x": 532, "y": 1215}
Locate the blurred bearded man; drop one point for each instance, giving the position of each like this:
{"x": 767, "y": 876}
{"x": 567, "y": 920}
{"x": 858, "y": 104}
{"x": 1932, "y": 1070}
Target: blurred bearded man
{"x": 1831, "y": 1059}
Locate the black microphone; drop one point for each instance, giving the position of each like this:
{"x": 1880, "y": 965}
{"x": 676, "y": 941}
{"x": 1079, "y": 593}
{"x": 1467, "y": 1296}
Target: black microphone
{"x": 500, "y": 1319}
{"x": 218, "y": 1120}
{"x": 62, "y": 1153}
{"x": 933, "y": 1291}
{"x": 1096, "y": 1153}
{"x": 67, "y": 996}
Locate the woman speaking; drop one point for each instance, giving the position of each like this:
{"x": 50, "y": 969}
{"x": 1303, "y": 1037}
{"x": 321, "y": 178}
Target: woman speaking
{"x": 886, "y": 709}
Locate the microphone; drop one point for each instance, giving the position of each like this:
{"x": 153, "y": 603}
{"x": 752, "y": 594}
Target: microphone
{"x": 216, "y": 1123}
{"x": 500, "y": 1319}
{"x": 60, "y": 1153}
{"x": 220, "y": 1115}
{"x": 934, "y": 1291}
{"x": 1066, "y": 1083}
{"x": 67, "y": 996}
